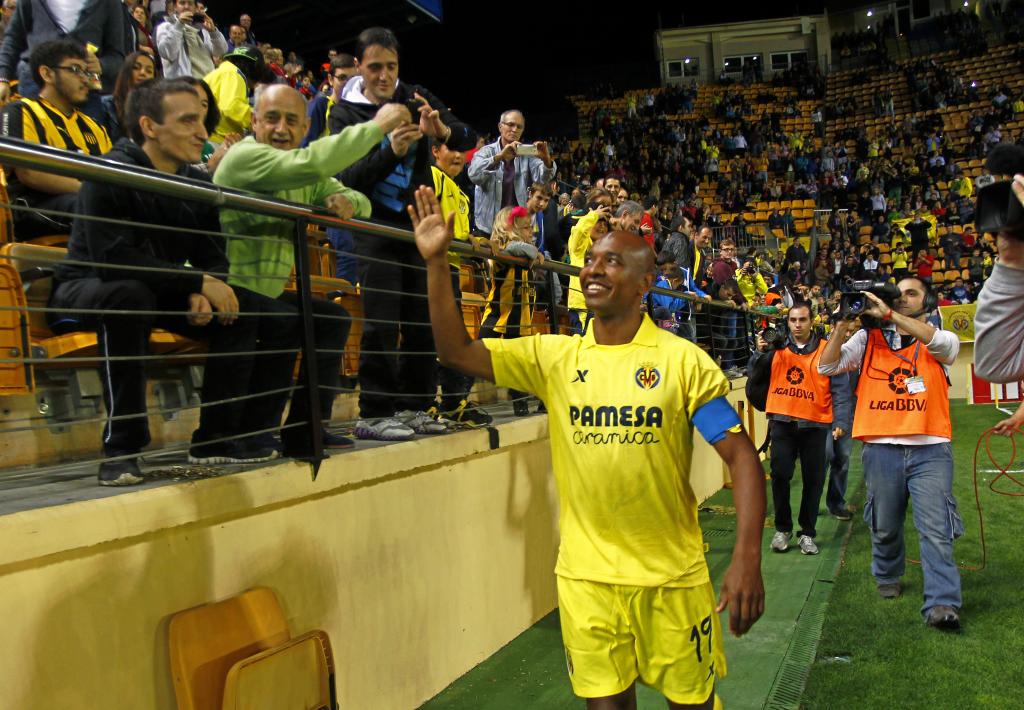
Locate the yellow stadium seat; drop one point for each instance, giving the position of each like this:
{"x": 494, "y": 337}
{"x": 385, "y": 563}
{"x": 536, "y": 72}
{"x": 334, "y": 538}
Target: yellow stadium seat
{"x": 34, "y": 263}
{"x": 208, "y": 640}
{"x": 15, "y": 378}
{"x": 472, "y": 312}
{"x": 6, "y": 220}
{"x": 297, "y": 674}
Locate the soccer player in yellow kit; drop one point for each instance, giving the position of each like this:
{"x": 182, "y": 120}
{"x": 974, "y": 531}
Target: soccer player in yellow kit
{"x": 635, "y": 596}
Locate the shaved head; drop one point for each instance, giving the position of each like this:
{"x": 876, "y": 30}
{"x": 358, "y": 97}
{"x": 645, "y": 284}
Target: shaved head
{"x": 618, "y": 270}
{"x": 275, "y": 93}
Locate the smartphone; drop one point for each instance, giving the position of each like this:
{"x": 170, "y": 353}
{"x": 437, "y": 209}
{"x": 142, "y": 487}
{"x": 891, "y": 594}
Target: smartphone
{"x": 414, "y": 108}
{"x": 526, "y": 149}
{"x": 198, "y": 18}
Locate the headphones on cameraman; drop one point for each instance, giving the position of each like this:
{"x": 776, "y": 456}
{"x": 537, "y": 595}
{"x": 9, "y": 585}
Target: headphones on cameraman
{"x": 931, "y": 300}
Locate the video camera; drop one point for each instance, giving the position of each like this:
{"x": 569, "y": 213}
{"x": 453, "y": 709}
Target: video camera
{"x": 776, "y": 334}
{"x": 853, "y": 302}
{"x": 998, "y": 209}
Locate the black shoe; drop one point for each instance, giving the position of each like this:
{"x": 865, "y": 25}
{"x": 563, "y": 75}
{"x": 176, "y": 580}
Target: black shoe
{"x": 890, "y": 591}
{"x": 541, "y": 409}
{"x": 944, "y": 618}
{"x": 266, "y": 440}
{"x": 842, "y": 514}
{"x": 120, "y": 473}
{"x": 521, "y": 407}
{"x": 230, "y": 452}
{"x": 469, "y": 414}
{"x": 337, "y": 441}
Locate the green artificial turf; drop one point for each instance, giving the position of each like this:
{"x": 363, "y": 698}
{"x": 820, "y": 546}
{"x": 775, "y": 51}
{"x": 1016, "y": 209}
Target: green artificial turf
{"x": 872, "y": 653}
{"x": 877, "y": 653}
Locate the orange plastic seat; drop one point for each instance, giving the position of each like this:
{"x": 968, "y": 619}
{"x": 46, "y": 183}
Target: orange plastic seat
{"x": 207, "y": 641}
{"x": 297, "y": 674}
{"x": 15, "y": 377}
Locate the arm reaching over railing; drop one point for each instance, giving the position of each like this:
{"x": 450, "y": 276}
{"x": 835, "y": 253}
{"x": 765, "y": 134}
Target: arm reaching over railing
{"x": 433, "y": 236}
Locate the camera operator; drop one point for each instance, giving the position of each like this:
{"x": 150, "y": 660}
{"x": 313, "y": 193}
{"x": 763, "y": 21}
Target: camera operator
{"x": 902, "y": 416}
{"x": 804, "y": 408}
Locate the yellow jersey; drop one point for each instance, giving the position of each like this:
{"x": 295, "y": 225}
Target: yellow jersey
{"x": 579, "y": 244}
{"x": 452, "y": 199}
{"x": 621, "y": 427}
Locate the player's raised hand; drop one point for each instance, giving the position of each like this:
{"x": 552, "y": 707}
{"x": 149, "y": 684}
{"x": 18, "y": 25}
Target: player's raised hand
{"x": 433, "y": 232}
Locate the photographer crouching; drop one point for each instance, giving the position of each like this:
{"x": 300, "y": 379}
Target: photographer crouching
{"x": 902, "y": 417}
{"x": 804, "y": 408}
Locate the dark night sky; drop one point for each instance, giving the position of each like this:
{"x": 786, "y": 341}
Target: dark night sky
{"x": 487, "y": 57}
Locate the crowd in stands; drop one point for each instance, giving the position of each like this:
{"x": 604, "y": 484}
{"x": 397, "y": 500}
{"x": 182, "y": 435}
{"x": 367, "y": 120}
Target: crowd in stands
{"x": 683, "y": 167}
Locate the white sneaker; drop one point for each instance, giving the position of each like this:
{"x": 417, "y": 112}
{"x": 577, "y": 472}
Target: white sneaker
{"x": 780, "y": 541}
{"x": 421, "y": 422}
{"x": 807, "y": 545}
{"x": 390, "y": 429}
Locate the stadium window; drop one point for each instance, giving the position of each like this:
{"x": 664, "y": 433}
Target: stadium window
{"x": 691, "y": 67}
{"x": 734, "y": 65}
{"x": 784, "y": 60}
{"x": 922, "y": 9}
{"x": 675, "y": 69}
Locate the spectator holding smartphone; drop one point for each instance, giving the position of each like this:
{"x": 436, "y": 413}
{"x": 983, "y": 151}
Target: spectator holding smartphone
{"x": 188, "y": 42}
{"x": 503, "y": 171}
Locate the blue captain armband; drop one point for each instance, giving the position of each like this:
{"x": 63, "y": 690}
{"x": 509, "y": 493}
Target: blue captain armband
{"x": 714, "y": 419}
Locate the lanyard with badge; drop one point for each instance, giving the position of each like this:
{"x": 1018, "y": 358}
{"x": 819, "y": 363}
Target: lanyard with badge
{"x": 915, "y": 383}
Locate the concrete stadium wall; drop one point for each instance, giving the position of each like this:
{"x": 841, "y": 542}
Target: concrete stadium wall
{"x": 419, "y": 559}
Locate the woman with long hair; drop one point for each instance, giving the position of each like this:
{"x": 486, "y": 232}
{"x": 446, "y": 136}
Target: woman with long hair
{"x": 211, "y": 154}
{"x": 137, "y": 68}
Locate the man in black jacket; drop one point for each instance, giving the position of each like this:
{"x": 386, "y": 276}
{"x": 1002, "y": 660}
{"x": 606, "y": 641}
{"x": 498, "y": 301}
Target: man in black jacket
{"x": 132, "y": 267}
{"x": 395, "y": 392}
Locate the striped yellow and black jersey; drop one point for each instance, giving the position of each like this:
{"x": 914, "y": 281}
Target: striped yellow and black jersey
{"x": 39, "y": 121}
{"x": 509, "y": 309}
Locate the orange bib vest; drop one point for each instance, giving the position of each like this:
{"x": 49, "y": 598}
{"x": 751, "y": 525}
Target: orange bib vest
{"x": 884, "y": 405}
{"x": 796, "y": 389}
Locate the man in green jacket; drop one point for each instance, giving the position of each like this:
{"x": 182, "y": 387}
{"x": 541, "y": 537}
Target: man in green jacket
{"x": 270, "y": 162}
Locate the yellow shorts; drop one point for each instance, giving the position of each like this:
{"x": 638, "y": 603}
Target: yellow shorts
{"x": 669, "y": 637}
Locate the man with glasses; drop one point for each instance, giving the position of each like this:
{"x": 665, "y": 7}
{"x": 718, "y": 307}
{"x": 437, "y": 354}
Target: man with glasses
{"x": 104, "y": 24}
{"x": 54, "y": 119}
{"x": 504, "y": 170}
{"x": 343, "y": 68}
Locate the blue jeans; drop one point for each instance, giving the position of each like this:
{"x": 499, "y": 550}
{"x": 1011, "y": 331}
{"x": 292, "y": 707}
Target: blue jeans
{"x": 344, "y": 251}
{"x": 837, "y": 457}
{"x": 924, "y": 474}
